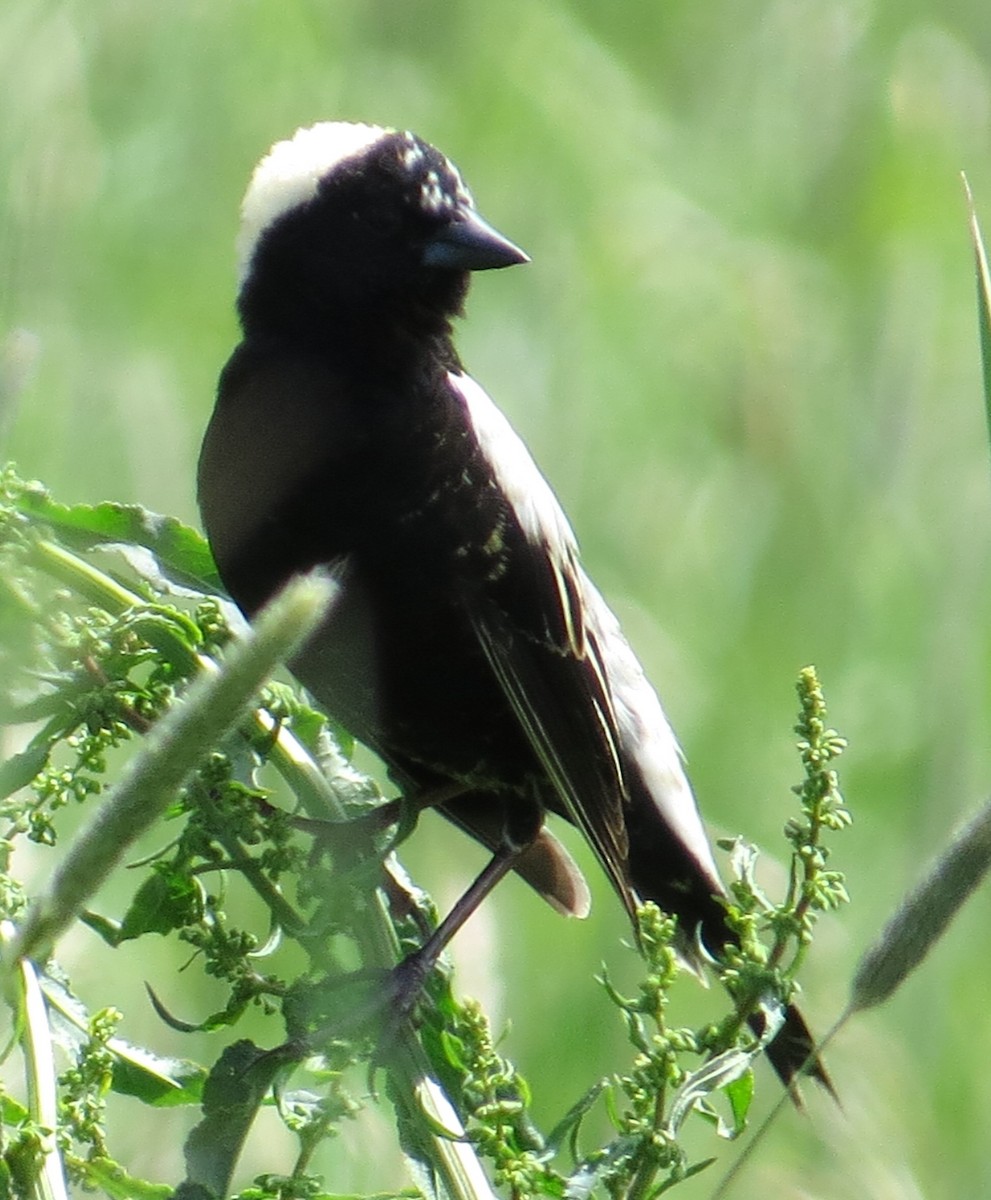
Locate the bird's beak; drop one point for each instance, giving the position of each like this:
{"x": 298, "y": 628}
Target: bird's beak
{"x": 467, "y": 243}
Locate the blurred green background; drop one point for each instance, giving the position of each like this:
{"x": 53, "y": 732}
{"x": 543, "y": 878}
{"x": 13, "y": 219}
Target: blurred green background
{"x": 745, "y": 354}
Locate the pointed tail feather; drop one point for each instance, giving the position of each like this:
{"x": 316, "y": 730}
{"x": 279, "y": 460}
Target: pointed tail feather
{"x": 790, "y": 1051}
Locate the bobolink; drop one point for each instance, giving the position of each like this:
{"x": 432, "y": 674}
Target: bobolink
{"x": 468, "y": 647}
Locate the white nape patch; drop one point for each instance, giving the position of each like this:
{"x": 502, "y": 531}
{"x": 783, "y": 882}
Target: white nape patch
{"x": 644, "y": 732}
{"x": 536, "y": 507}
{"x": 289, "y": 174}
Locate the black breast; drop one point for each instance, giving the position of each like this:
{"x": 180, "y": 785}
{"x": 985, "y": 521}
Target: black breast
{"x": 387, "y": 487}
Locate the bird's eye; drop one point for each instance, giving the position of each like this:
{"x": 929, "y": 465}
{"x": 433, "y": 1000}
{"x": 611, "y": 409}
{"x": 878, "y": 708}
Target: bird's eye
{"x": 382, "y": 221}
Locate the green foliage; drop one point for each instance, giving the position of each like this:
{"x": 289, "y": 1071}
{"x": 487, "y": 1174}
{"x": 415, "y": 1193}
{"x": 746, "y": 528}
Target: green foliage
{"x": 83, "y": 1088}
{"x": 743, "y": 354}
{"x": 114, "y": 644}
{"x": 983, "y": 274}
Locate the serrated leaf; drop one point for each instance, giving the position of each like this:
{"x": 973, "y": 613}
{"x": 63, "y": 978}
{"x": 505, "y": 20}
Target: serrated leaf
{"x": 419, "y": 1161}
{"x": 164, "y": 1082}
{"x": 18, "y": 770}
{"x": 232, "y": 1094}
{"x": 181, "y": 550}
{"x": 164, "y": 902}
{"x": 157, "y": 1081}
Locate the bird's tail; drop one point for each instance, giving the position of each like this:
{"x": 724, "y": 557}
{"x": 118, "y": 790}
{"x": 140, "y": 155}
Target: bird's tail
{"x": 791, "y": 1052}
{"x": 664, "y": 870}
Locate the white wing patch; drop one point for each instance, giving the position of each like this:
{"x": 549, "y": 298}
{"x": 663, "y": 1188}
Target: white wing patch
{"x": 646, "y": 735}
{"x": 289, "y": 174}
{"x": 529, "y": 493}
{"x": 643, "y": 730}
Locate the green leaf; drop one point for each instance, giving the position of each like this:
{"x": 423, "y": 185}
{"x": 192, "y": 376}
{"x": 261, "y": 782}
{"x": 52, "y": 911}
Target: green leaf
{"x": 107, "y": 929}
{"x": 18, "y": 770}
{"x": 170, "y": 754}
{"x": 983, "y": 297}
{"x": 220, "y": 1019}
{"x": 574, "y": 1116}
{"x": 232, "y": 1094}
{"x": 405, "y": 1194}
{"x": 160, "y": 1082}
{"x": 740, "y": 1093}
{"x": 21, "y": 1166}
{"x": 717, "y": 1073}
{"x": 164, "y": 902}
{"x": 180, "y": 549}
{"x": 111, "y": 1178}
{"x": 11, "y": 1112}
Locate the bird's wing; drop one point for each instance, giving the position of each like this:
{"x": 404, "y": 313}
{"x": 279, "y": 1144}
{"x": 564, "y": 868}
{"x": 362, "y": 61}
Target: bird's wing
{"x": 533, "y": 628}
{"x": 564, "y": 709}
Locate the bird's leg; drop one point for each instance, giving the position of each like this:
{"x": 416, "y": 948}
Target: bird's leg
{"x": 395, "y": 1001}
{"x": 400, "y": 988}
{"x": 409, "y": 976}
{"x": 520, "y": 829}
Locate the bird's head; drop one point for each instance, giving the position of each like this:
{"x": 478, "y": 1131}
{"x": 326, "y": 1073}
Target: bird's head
{"x": 358, "y": 225}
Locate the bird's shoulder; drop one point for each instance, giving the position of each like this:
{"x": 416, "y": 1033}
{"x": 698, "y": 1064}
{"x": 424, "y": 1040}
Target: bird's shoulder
{"x": 306, "y": 397}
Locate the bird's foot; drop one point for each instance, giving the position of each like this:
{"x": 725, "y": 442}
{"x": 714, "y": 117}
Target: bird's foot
{"x": 347, "y": 839}
{"x": 380, "y": 1016}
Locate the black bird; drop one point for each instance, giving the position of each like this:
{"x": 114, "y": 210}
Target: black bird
{"x": 468, "y": 647}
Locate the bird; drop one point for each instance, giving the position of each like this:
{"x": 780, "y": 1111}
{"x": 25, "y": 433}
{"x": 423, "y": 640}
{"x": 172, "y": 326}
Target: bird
{"x": 467, "y": 646}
